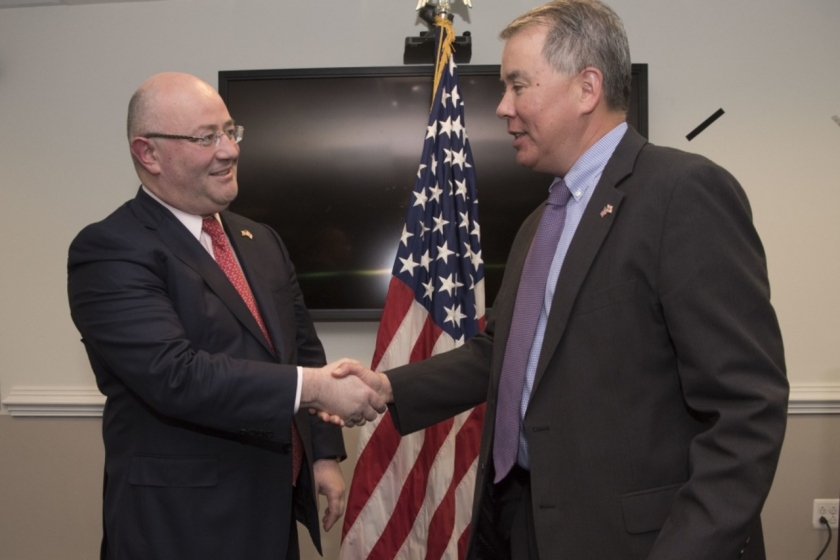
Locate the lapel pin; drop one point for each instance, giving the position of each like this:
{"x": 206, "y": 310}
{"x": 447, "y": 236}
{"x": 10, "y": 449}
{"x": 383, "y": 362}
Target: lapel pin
{"x": 249, "y": 235}
{"x": 607, "y": 210}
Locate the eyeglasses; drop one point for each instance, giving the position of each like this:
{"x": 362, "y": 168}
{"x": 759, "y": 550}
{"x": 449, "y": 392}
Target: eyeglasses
{"x": 211, "y": 140}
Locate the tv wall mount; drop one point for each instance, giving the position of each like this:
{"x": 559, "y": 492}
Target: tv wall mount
{"x": 421, "y": 49}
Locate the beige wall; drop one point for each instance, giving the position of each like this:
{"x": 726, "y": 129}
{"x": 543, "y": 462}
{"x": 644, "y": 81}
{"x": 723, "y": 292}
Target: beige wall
{"x": 51, "y": 490}
{"x": 66, "y": 73}
{"x": 51, "y": 483}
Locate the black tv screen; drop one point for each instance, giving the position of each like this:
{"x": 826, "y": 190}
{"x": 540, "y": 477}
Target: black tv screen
{"x": 329, "y": 160}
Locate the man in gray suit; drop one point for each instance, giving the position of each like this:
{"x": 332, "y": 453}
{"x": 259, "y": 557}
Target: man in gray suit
{"x": 648, "y": 384}
{"x": 198, "y": 335}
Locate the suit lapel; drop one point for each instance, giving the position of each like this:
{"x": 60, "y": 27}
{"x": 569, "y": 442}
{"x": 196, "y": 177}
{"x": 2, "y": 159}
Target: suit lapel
{"x": 590, "y": 235}
{"x": 243, "y": 243}
{"x": 186, "y": 248}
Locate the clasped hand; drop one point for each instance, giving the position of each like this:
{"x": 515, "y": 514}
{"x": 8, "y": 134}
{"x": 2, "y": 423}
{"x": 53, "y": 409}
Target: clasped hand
{"x": 338, "y": 397}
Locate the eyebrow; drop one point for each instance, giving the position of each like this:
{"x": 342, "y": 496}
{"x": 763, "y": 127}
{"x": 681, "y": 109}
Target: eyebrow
{"x": 511, "y": 76}
{"x": 227, "y": 124}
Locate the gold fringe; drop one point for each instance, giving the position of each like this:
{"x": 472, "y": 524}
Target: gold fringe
{"x": 447, "y": 42}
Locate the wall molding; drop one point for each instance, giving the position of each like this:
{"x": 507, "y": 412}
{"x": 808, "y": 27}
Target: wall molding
{"x": 54, "y": 401}
{"x": 805, "y": 398}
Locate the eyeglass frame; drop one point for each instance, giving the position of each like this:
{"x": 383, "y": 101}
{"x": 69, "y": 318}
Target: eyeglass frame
{"x": 234, "y": 134}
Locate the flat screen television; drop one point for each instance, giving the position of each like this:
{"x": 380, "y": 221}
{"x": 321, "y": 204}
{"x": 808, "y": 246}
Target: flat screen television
{"x": 329, "y": 160}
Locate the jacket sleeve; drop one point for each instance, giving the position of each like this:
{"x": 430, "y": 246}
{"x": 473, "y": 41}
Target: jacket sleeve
{"x": 442, "y": 386}
{"x": 715, "y": 298}
{"x": 127, "y": 298}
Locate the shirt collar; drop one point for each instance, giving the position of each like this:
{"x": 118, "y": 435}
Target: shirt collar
{"x": 588, "y": 168}
{"x": 191, "y": 221}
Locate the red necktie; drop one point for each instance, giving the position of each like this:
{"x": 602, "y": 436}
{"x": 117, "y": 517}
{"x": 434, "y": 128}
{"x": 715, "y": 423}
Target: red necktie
{"x": 227, "y": 262}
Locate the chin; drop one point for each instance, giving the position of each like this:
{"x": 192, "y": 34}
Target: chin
{"x": 230, "y": 194}
{"x": 526, "y": 161}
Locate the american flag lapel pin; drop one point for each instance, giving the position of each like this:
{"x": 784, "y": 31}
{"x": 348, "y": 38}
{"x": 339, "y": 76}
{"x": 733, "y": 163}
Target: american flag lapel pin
{"x": 246, "y": 233}
{"x": 607, "y": 210}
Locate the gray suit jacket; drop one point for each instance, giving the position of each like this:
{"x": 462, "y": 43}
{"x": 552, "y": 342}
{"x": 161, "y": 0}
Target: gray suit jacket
{"x": 660, "y": 400}
{"x": 197, "y": 422}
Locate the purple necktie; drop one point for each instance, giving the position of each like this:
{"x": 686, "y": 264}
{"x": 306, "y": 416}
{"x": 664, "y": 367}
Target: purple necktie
{"x": 526, "y": 314}
{"x": 224, "y": 256}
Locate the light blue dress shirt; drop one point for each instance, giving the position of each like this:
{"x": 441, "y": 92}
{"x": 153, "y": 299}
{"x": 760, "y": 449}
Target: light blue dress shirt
{"x": 581, "y": 181}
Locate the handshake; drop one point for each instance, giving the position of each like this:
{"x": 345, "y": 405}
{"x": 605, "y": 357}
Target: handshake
{"x": 345, "y": 393}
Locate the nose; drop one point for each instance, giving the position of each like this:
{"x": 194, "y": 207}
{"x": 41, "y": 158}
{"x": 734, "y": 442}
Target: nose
{"x": 227, "y": 148}
{"x": 505, "y": 108}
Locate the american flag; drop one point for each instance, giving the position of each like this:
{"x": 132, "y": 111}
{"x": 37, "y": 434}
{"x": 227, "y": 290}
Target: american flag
{"x": 411, "y": 497}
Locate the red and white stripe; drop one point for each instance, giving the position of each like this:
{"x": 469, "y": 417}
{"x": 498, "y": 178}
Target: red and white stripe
{"x": 411, "y": 497}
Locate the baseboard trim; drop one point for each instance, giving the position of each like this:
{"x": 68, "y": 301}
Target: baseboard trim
{"x": 88, "y": 401}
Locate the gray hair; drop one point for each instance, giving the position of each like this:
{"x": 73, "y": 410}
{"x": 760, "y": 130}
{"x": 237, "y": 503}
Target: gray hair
{"x": 583, "y": 33}
{"x": 137, "y": 110}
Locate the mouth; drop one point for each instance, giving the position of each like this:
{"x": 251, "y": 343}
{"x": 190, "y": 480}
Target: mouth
{"x": 222, "y": 172}
{"x": 517, "y": 137}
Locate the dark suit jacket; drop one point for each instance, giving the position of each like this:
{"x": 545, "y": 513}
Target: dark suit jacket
{"x": 197, "y": 422}
{"x": 660, "y": 401}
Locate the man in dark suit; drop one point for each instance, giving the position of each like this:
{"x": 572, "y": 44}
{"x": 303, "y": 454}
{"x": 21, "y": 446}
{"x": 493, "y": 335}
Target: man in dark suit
{"x": 198, "y": 335}
{"x": 653, "y": 395}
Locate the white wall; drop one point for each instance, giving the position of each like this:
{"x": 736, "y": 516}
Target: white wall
{"x": 66, "y": 73}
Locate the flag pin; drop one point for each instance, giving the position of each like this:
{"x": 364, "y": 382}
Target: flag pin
{"x": 249, "y": 235}
{"x": 607, "y": 210}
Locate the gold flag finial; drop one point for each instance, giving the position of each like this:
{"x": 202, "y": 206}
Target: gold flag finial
{"x": 443, "y": 5}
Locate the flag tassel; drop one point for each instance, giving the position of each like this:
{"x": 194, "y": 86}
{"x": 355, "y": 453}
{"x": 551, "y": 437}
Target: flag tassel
{"x": 446, "y": 45}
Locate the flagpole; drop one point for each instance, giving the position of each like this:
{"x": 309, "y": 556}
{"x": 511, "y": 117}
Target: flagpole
{"x": 411, "y": 496}
{"x": 445, "y": 47}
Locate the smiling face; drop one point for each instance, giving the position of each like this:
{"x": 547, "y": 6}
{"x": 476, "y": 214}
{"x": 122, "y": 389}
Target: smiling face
{"x": 187, "y": 176}
{"x": 541, "y": 105}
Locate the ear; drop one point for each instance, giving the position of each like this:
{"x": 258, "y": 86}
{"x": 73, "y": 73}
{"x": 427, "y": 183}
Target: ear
{"x": 591, "y": 83}
{"x": 145, "y": 154}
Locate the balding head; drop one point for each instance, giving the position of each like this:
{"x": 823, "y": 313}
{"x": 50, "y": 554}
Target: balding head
{"x": 148, "y": 107}
{"x": 165, "y": 115}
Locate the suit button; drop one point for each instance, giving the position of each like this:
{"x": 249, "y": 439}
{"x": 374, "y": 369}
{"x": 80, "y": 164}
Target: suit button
{"x": 287, "y": 448}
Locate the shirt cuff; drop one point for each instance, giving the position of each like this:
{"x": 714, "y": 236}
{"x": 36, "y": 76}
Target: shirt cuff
{"x": 299, "y": 385}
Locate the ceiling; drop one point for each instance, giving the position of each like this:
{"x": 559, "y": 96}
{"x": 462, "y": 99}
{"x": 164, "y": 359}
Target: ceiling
{"x": 24, "y": 3}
